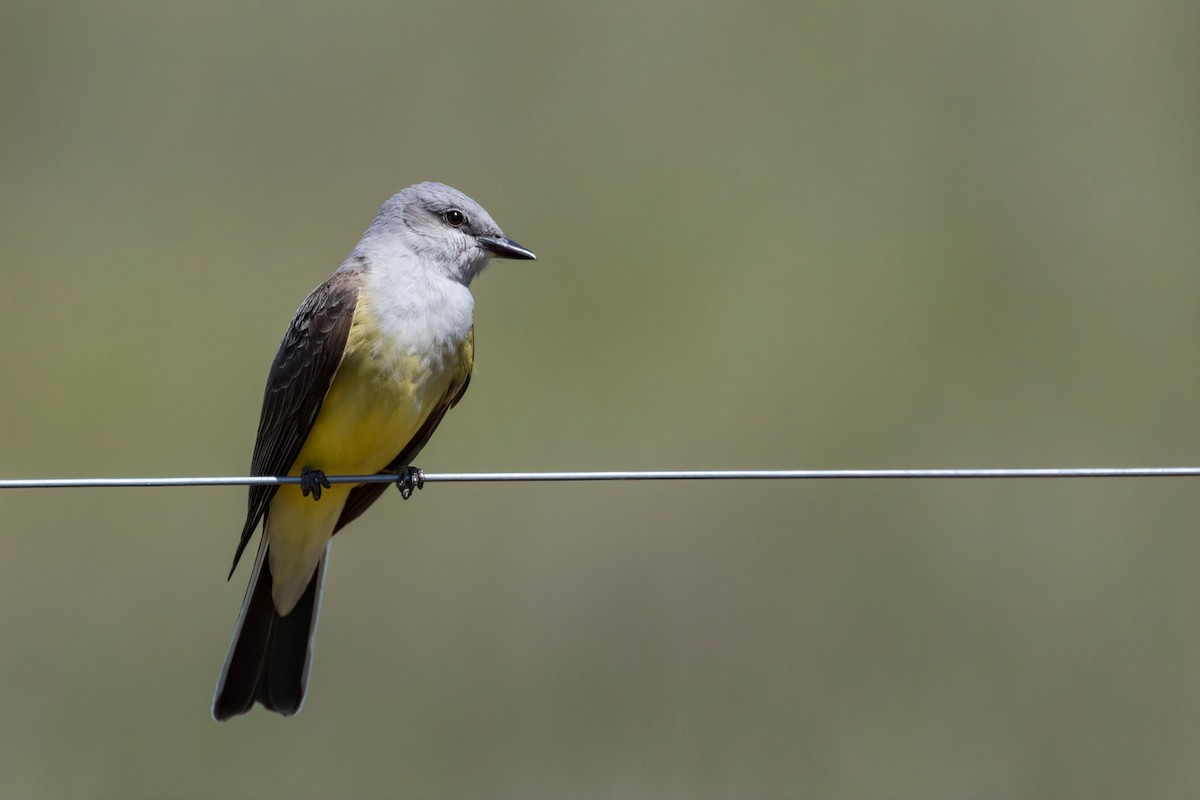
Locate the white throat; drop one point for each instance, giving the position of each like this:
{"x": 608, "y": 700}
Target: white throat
{"x": 418, "y": 308}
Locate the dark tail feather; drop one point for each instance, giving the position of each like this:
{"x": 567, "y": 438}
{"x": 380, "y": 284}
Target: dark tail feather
{"x": 270, "y": 655}
{"x": 284, "y": 677}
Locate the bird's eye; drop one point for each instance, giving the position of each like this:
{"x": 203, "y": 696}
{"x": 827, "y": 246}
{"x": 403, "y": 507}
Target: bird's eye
{"x": 454, "y": 217}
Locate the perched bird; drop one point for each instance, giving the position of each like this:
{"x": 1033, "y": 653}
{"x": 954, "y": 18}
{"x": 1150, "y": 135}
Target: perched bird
{"x": 371, "y": 362}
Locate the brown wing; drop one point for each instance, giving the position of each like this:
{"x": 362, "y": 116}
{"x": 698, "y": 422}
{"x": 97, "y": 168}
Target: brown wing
{"x": 363, "y": 495}
{"x": 301, "y": 375}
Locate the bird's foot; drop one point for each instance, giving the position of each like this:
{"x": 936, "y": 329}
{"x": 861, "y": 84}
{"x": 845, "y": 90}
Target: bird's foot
{"x": 311, "y": 481}
{"x": 410, "y": 478}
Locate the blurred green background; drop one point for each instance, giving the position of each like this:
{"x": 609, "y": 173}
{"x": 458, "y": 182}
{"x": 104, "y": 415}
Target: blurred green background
{"x": 818, "y": 235}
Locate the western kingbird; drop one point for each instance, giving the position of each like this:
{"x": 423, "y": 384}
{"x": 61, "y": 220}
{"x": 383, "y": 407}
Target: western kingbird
{"x": 371, "y": 362}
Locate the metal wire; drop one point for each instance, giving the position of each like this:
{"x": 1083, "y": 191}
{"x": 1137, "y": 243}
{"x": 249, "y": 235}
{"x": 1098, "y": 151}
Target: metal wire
{"x": 650, "y": 475}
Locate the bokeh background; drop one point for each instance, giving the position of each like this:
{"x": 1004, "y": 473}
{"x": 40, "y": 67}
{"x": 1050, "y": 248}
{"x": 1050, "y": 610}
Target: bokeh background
{"x": 807, "y": 235}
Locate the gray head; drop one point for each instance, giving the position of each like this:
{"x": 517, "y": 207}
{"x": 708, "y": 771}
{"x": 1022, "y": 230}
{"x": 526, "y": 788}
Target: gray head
{"x": 445, "y": 228}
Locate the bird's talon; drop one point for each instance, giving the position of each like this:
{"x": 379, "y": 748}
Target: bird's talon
{"x": 410, "y": 478}
{"x": 311, "y": 482}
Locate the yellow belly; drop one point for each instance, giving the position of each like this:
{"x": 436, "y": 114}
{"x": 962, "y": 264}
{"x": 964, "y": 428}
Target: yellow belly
{"x": 379, "y": 399}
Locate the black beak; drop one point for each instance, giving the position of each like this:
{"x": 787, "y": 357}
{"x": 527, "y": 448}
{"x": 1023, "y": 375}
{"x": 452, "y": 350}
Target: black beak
{"x": 503, "y": 247}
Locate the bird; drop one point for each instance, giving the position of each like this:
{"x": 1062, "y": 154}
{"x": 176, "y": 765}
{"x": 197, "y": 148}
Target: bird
{"x": 368, "y": 367}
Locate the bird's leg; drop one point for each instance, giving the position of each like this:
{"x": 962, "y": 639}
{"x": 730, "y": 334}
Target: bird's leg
{"x": 311, "y": 481}
{"x": 410, "y": 478}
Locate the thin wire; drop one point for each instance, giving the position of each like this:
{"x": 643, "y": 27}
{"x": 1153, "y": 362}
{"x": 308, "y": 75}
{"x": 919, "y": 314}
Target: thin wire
{"x": 651, "y": 475}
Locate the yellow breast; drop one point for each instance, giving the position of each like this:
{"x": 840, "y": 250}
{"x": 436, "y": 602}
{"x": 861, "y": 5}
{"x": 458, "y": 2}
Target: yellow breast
{"x": 381, "y": 396}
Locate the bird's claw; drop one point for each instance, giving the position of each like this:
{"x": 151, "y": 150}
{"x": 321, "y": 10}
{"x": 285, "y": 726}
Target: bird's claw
{"x": 410, "y": 478}
{"x": 311, "y": 482}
